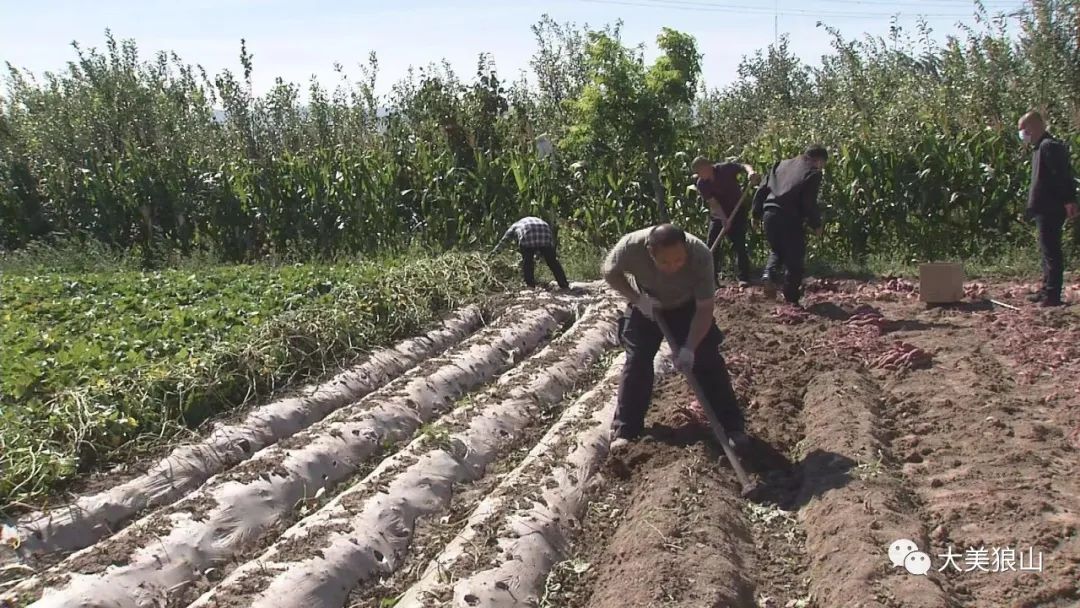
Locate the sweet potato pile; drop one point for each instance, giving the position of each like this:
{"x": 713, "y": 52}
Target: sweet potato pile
{"x": 1038, "y": 347}
{"x": 901, "y": 355}
{"x": 789, "y": 315}
{"x": 975, "y": 291}
{"x": 860, "y": 338}
{"x": 868, "y": 316}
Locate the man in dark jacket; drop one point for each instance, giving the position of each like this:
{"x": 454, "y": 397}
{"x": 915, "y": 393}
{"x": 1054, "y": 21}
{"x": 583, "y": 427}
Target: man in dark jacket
{"x": 719, "y": 185}
{"x": 787, "y": 198}
{"x": 1051, "y": 200}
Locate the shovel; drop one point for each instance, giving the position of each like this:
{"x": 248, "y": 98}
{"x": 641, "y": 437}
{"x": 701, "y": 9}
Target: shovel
{"x": 748, "y": 487}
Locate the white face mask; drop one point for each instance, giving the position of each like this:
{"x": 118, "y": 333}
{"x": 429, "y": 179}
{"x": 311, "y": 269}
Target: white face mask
{"x": 1024, "y": 137}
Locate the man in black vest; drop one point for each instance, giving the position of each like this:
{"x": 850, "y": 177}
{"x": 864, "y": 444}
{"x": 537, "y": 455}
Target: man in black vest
{"x": 787, "y": 199}
{"x": 1051, "y": 200}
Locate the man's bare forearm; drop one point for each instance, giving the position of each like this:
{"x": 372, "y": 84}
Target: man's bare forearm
{"x": 618, "y": 282}
{"x": 699, "y": 327}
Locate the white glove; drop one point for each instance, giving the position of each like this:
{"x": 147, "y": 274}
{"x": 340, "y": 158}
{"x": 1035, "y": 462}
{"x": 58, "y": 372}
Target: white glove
{"x": 647, "y": 305}
{"x": 685, "y": 359}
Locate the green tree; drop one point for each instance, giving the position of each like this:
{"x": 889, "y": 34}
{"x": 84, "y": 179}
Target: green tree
{"x": 626, "y": 110}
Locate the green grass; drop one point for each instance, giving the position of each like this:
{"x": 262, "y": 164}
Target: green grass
{"x": 98, "y": 363}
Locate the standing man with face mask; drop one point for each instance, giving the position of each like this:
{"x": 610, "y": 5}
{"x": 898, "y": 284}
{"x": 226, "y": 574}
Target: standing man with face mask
{"x": 673, "y": 277}
{"x": 1051, "y": 200}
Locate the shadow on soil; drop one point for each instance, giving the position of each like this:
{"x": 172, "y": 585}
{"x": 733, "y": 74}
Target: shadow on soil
{"x": 829, "y": 311}
{"x": 820, "y": 472}
{"x": 978, "y": 306}
{"x": 834, "y": 312}
{"x": 913, "y": 325}
{"x": 780, "y": 482}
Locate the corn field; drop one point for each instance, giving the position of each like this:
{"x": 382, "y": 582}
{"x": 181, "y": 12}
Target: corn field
{"x": 161, "y": 158}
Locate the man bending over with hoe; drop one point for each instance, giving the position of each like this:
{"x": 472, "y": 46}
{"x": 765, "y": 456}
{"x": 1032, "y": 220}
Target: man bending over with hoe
{"x": 719, "y": 185}
{"x": 673, "y": 281}
{"x": 534, "y": 236}
{"x": 787, "y": 199}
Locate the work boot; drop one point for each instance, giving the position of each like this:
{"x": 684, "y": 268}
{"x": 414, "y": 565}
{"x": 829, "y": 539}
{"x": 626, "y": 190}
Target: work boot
{"x": 1036, "y": 297}
{"x": 792, "y": 295}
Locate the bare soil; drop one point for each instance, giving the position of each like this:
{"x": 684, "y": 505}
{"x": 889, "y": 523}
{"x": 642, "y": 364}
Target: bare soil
{"x": 968, "y": 452}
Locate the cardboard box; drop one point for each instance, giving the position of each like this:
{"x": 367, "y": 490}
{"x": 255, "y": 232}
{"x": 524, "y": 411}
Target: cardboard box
{"x": 941, "y": 282}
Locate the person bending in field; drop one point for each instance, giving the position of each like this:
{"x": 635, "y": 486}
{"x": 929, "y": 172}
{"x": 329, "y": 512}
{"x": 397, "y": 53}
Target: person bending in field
{"x": 786, "y": 199}
{"x": 719, "y": 185}
{"x": 534, "y": 236}
{"x": 1051, "y": 201}
{"x": 673, "y": 280}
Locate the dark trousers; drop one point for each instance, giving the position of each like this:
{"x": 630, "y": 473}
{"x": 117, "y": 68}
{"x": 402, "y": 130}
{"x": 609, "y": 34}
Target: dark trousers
{"x": 1053, "y": 258}
{"x": 737, "y": 237}
{"x": 528, "y": 265}
{"x": 641, "y": 338}
{"x": 787, "y": 248}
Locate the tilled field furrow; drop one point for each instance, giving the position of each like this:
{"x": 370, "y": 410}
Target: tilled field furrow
{"x": 771, "y": 374}
{"x": 995, "y": 477}
{"x": 558, "y": 471}
{"x": 93, "y": 517}
{"x": 366, "y": 531}
{"x": 166, "y": 551}
{"x": 854, "y": 505}
{"x": 532, "y": 538}
{"x": 680, "y": 539}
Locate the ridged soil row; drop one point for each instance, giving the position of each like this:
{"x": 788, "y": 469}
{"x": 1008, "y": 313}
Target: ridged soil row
{"x": 91, "y": 518}
{"x": 365, "y": 533}
{"x": 855, "y": 503}
{"x": 504, "y": 553}
{"x": 170, "y": 549}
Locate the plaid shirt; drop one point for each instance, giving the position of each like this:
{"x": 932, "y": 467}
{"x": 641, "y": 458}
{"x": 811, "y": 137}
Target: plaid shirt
{"x": 531, "y": 232}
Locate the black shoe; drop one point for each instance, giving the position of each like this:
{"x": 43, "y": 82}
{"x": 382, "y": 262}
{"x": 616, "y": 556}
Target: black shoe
{"x": 1036, "y": 297}
{"x": 1051, "y": 302}
{"x": 770, "y": 290}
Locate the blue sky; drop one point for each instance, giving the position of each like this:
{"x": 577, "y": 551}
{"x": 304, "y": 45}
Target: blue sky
{"x": 296, "y": 40}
